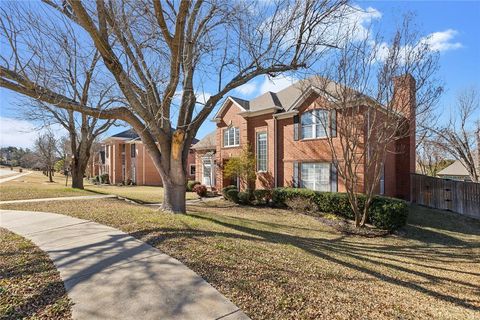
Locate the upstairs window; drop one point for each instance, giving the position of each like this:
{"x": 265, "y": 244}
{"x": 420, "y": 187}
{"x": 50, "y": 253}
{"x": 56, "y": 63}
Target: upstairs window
{"x": 315, "y": 124}
{"x": 231, "y": 137}
{"x": 262, "y": 151}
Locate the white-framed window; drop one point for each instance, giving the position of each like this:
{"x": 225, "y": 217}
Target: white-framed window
{"x": 315, "y": 176}
{"x": 192, "y": 169}
{"x": 262, "y": 151}
{"x": 133, "y": 150}
{"x": 231, "y": 137}
{"x": 315, "y": 124}
{"x": 382, "y": 180}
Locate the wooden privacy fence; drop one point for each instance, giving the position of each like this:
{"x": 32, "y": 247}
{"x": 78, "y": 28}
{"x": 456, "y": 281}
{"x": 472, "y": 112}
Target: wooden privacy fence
{"x": 458, "y": 196}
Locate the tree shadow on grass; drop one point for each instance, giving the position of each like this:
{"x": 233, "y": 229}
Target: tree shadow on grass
{"x": 422, "y": 217}
{"x": 354, "y": 255}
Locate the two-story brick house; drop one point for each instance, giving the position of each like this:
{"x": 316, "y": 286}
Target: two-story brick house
{"x": 289, "y": 144}
{"x": 124, "y": 158}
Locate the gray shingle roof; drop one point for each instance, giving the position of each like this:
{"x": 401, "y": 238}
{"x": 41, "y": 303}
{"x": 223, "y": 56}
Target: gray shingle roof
{"x": 127, "y": 134}
{"x": 455, "y": 169}
{"x": 244, "y": 103}
{"x": 284, "y": 99}
{"x": 208, "y": 142}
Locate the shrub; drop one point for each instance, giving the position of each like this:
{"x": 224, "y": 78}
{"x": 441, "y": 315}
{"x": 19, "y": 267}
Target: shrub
{"x": 282, "y": 195}
{"x": 104, "y": 178}
{"x": 300, "y": 205}
{"x": 225, "y": 190}
{"x": 385, "y": 213}
{"x": 232, "y": 195}
{"x": 244, "y": 197}
{"x": 191, "y": 184}
{"x": 200, "y": 189}
{"x": 262, "y": 195}
{"x": 388, "y": 213}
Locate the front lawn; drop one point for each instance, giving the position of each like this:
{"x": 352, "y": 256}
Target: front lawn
{"x": 30, "y": 286}
{"x": 142, "y": 194}
{"x": 275, "y": 264}
{"x": 36, "y": 185}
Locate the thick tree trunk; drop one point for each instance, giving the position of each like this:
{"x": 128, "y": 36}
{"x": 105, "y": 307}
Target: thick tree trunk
{"x": 174, "y": 198}
{"x": 50, "y": 177}
{"x": 77, "y": 177}
{"x": 78, "y": 167}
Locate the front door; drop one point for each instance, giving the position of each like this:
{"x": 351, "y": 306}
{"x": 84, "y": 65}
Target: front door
{"x": 207, "y": 178}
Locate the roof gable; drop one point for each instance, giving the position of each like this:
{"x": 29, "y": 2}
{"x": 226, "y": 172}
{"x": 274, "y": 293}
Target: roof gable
{"x": 243, "y": 105}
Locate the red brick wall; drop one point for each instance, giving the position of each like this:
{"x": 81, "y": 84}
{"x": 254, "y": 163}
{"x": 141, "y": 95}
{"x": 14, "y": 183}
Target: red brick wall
{"x": 146, "y": 172}
{"x": 229, "y": 117}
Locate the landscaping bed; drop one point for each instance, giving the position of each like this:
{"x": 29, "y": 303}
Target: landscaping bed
{"x": 30, "y": 286}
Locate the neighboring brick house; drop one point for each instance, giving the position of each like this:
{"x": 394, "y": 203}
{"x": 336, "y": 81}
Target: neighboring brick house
{"x": 205, "y": 163}
{"x": 290, "y": 148}
{"x": 125, "y": 158}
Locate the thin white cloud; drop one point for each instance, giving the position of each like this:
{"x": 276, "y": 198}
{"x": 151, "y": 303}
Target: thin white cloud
{"x": 443, "y": 40}
{"x": 437, "y": 41}
{"x": 276, "y": 84}
{"x": 22, "y": 133}
{"x": 355, "y": 25}
{"x": 202, "y": 97}
{"x": 247, "y": 88}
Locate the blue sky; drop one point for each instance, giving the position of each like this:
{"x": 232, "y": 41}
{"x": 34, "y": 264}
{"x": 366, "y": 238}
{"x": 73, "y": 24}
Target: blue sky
{"x": 454, "y": 25}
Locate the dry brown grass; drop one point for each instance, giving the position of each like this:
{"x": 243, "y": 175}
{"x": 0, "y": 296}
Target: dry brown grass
{"x": 275, "y": 264}
{"x": 142, "y": 194}
{"x": 36, "y": 185}
{"x": 30, "y": 286}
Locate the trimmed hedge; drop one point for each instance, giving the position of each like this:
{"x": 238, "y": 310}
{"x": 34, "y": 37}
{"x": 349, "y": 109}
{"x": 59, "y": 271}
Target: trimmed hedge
{"x": 262, "y": 195}
{"x": 225, "y": 190}
{"x": 232, "y": 195}
{"x": 191, "y": 184}
{"x": 388, "y": 213}
{"x": 244, "y": 197}
{"x": 385, "y": 213}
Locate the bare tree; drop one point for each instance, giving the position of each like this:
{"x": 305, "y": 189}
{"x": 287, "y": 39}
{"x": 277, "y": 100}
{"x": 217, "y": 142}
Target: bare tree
{"x": 375, "y": 88}
{"x": 430, "y": 158}
{"x": 460, "y": 136}
{"x": 47, "y": 54}
{"x": 160, "y": 55}
{"x": 46, "y": 147}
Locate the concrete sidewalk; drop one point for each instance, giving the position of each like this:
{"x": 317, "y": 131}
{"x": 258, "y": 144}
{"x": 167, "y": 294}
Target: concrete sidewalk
{"x": 10, "y": 178}
{"x": 60, "y": 199}
{"x": 111, "y": 275}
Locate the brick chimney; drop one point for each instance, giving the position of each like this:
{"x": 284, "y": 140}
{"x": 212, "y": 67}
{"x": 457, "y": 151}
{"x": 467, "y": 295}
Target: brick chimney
{"x": 404, "y": 102}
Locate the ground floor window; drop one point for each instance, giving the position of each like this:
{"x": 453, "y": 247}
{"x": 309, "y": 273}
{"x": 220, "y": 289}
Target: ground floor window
{"x": 315, "y": 176}
{"x": 192, "y": 169}
{"x": 382, "y": 180}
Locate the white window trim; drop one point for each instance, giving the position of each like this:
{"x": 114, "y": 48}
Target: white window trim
{"x": 382, "y": 180}
{"x": 228, "y": 139}
{"x": 266, "y": 149}
{"x": 193, "y": 166}
{"x": 302, "y": 184}
{"x": 315, "y": 122}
